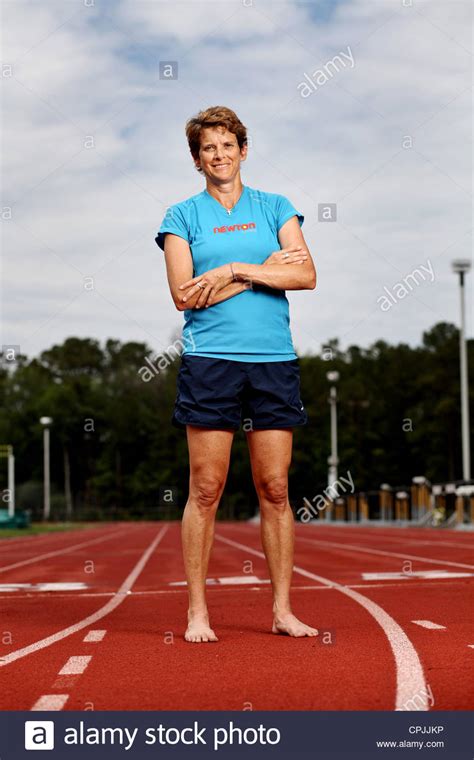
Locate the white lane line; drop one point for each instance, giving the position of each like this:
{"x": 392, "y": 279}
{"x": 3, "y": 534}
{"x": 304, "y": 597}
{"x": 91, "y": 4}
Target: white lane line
{"x": 73, "y": 586}
{"x": 241, "y": 580}
{"x": 94, "y": 636}
{"x": 426, "y": 574}
{"x": 10, "y": 587}
{"x": 51, "y": 702}
{"x": 429, "y": 624}
{"x": 471, "y": 646}
{"x": 75, "y": 665}
{"x": 376, "y": 533}
{"x": 114, "y": 602}
{"x": 56, "y": 553}
{"x": 221, "y": 588}
{"x": 353, "y": 547}
{"x": 237, "y": 580}
{"x": 409, "y": 671}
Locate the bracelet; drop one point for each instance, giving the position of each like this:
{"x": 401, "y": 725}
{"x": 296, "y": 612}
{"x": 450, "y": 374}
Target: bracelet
{"x": 233, "y": 275}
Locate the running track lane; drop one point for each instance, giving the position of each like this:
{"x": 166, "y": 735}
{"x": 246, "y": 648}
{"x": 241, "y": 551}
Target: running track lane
{"x": 143, "y": 662}
{"x": 97, "y": 560}
{"x": 445, "y": 652}
{"x": 137, "y": 667}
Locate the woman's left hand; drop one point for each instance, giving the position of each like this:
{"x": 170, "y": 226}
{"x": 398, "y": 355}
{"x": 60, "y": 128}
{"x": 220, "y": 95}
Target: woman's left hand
{"x": 209, "y": 284}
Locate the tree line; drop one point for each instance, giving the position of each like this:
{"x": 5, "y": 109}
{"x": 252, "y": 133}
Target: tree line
{"x": 115, "y": 454}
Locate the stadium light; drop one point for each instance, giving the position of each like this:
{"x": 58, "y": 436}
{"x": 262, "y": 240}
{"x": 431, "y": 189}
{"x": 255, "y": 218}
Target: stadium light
{"x": 333, "y": 460}
{"x": 462, "y": 267}
{"x": 6, "y": 451}
{"x": 46, "y": 422}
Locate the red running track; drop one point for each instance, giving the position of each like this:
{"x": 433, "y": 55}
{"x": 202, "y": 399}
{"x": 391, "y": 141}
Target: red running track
{"x": 393, "y": 607}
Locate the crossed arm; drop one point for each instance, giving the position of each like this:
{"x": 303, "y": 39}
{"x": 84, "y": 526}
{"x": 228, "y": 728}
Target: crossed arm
{"x": 291, "y": 268}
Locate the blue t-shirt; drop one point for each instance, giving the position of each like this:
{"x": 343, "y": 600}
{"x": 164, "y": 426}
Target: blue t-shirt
{"x": 253, "y": 325}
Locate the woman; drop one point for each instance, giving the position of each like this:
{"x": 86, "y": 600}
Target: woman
{"x": 245, "y": 247}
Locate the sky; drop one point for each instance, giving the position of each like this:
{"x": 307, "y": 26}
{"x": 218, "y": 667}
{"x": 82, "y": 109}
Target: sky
{"x": 357, "y": 110}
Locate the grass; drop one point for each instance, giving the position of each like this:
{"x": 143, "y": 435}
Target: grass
{"x": 38, "y": 528}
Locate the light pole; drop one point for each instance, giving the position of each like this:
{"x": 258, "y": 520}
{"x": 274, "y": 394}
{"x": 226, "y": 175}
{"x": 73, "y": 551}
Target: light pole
{"x": 333, "y": 460}
{"x": 46, "y": 422}
{"x": 11, "y": 482}
{"x": 6, "y": 450}
{"x": 461, "y": 267}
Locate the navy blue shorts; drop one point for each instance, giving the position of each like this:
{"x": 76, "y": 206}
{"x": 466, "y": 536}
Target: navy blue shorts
{"x": 223, "y": 393}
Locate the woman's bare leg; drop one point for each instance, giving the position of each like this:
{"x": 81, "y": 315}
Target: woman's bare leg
{"x": 270, "y": 456}
{"x": 209, "y": 457}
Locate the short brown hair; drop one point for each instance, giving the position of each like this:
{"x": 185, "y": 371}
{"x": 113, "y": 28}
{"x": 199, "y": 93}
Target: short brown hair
{"x": 216, "y": 116}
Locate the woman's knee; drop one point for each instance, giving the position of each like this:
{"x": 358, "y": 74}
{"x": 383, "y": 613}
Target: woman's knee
{"x": 273, "y": 493}
{"x": 206, "y": 492}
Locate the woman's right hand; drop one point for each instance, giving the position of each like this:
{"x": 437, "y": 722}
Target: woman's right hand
{"x": 292, "y": 255}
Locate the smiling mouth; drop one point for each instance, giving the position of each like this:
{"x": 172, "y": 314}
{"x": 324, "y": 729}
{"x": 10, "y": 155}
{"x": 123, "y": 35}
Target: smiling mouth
{"x": 220, "y": 166}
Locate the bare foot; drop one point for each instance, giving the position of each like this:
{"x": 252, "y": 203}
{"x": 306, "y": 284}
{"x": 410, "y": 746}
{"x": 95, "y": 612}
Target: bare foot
{"x": 289, "y": 624}
{"x": 199, "y": 630}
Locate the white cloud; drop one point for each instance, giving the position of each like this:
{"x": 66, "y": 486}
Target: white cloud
{"x": 192, "y": 23}
{"x": 82, "y": 71}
